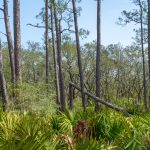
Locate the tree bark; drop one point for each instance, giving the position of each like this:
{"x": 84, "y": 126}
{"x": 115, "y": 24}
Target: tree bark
{"x": 70, "y": 97}
{"x": 102, "y": 101}
{"x": 56, "y": 68}
{"x": 17, "y": 39}
{"x": 3, "y": 83}
{"x": 9, "y": 41}
{"x": 98, "y": 52}
{"x": 79, "y": 55}
{"x": 143, "y": 54}
{"x": 148, "y": 1}
{"x": 46, "y": 42}
{"x": 59, "y": 60}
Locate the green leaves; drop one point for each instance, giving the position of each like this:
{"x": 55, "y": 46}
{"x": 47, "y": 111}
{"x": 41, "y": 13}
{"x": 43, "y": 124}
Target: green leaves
{"x": 22, "y": 132}
{"x": 102, "y": 130}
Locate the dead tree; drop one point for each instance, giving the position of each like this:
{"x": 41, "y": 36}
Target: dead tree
{"x": 97, "y": 100}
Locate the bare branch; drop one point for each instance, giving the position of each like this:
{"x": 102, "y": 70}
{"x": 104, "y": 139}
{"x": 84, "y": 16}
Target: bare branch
{"x": 3, "y": 33}
{"x": 67, "y": 30}
{"x": 2, "y": 9}
{"x": 37, "y": 26}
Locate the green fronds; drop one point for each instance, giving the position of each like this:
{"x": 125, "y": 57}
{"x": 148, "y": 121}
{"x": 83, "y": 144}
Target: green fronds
{"x": 71, "y": 130}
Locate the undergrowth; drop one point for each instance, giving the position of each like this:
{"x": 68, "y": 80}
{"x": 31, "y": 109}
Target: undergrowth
{"x": 34, "y": 123}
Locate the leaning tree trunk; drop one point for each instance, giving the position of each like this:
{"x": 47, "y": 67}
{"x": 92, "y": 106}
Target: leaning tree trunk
{"x": 46, "y": 41}
{"x": 98, "y": 52}
{"x": 96, "y": 99}
{"x": 59, "y": 60}
{"x": 9, "y": 40}
{"x": 55, "y": 57}
{"x": 79, "y": 54}
{"x": 3, "y": 83}
{"x": 17, "y": 39}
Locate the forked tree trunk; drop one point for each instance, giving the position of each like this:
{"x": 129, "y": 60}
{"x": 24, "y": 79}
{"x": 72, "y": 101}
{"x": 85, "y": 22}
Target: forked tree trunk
{"x": 59, "y": 60}
{"x": 17, "y": 39}
{"x": 55, "y": 56}
{"x": 79, "y": 55}
{"x": 3, "y": 83}
{"x": 9, "y": 41}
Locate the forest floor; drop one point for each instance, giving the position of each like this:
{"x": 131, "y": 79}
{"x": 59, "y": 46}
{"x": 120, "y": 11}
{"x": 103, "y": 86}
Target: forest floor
{"x": 36, "y": 124}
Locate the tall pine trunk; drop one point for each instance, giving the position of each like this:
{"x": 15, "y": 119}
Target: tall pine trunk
{"x": 98, "y": 52}
{"x": 17, "y": 39}
{"x": 46, "y": 42}
{"x": 148, "y": 1}
{"x": 55, "y": 56}
{"x": 3, "y": 82}
{"x": 149, "y": 36}
{"x": 79, "y": 55}
{"x": 143, "y": 54}
{"x": 9, "y": 41}
{"x": 59, "y": 60}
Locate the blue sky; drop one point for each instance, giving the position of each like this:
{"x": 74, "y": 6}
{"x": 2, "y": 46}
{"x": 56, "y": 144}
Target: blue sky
{"x": 111, "y": 10}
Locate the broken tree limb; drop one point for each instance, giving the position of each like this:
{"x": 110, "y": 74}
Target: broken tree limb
{"x": 102, "y": 101}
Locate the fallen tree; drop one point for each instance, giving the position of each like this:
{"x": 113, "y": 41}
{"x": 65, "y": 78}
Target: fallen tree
{"x": 95, "y": 99}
